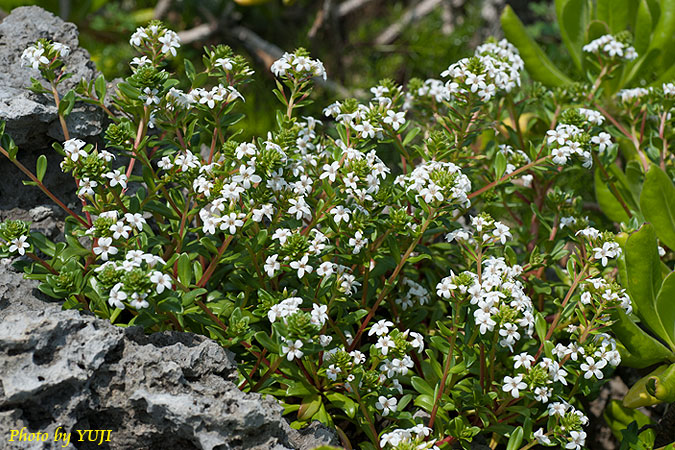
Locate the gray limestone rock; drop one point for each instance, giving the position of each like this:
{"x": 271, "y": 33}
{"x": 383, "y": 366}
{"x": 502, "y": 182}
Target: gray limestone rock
{"x": 31, "y": 119}
{"x": 161, "y": 391}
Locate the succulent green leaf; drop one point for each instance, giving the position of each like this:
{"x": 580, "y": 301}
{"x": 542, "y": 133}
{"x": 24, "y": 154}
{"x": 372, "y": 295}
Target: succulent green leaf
{"x": 643, "y": 350}
{"x": 573, "y": 17}
{"x": 643, "y": 267}
{"x": 657, "y": 202}
{"x": 665, "y": 305}
{"x": 536, "y": 62}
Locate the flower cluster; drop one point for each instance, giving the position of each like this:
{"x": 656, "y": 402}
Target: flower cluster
{"x": 610, "y": 47}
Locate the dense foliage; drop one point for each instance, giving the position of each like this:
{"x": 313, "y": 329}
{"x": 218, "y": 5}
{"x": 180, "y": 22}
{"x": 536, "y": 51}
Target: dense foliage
{"x": 419, "y": 270}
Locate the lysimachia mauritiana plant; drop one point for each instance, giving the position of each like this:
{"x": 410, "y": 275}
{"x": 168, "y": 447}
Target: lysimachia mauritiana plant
{"x": 415, "y": 269}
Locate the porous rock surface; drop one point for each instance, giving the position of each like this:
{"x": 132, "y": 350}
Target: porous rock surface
{"x": 161, "y": 391}
{"x": 31, "y": 119}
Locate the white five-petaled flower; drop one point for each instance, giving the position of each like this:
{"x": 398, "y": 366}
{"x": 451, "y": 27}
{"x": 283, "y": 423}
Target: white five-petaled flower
{"x": 592, "y": 367}
{"x": 577, "y": 440}
{"x": 514, "y": 385}
{"x": 19, "y": 245}
{"x": 541, "y": 437}
{"x": 292, "y": 349}
{"x": 117, "y": 177}
{"x": 104, "y": 248}
{"x": 395, "y": 119}
{"x": 162, "y": 281}
{"x": 340, "y": 213}
{"x": 380, "y": 328}
{"x": 386, "y": 404}
{"x": 301, "y": 266}
{"x": 603, "y": 140}
{"x": 135, "y": 220}
{"x": 120, "y": 230}
{"x": 272, "y": 265}
{"x": 384, "y": 343}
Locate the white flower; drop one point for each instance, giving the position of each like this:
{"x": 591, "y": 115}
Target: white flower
{"x": 281, "y": 234}
{"x": 358, "y": 241}
{"x": 332, "y": 372}
{"x": 592, "y": 367}
{"x": 395, "y": 119}
{"x": 386, "y": 404}
{"x": 340, "y": 213}
{"x": 104, "y": 248}
{"x": 19, "y": 245}
{"x": 170, "y": 42}
{"x": 135, "y": 220}
{"x": 603, "y": 140}
{"x": 120, "y": 230}
{"x": 577, "y": 440}
{"x": 231, "y": 223}
{"x": 384, "y": 343}
{"x": 73, "y": 149}
{"x": 380, "y": 328}
{"x": 117, "y": 296}
{"x": 514, "y": 385}
{"x": 524, "y": 360}
{"x": 326, "y": 269}
{"x": 330, "y": 171}
{"x": 116, "y": 177}
{"x": 319, "y": 314}
{"x": 292, "y": 349}
{"x": 272, "y": 265}
{"x": 86, "y": 187}
{"x": 301, "y": 266}
{"x": 541, "y": 437}
{"x": 161, "y": 280}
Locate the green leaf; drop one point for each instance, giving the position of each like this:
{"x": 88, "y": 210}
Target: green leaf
{"x": 608, "y": 203}
{"x": 662, "y": 385}
{"x": 643, "y": 27}
{"x": 643, "y": 350}
{"x": 615, "y": 13}
{"x": 184, "y": 269}
{"x": 618, "y": 417}
{"x": 643, "y": 269}
{"x": 266, "y": 342}
{"x": 310, "y": 405}
{"x": 344, "y": 403}
{"x": 421, "y": 386}
{"x": 573, "y": 17}
{"x": 189, "y": 69}
{"x": 500, "y": 165}
{"x": 67, "y": 102}
{"x": 41, "y": 167}
{"x": 100, "y": 87}
{"x": 411, "y": 135}
{"x": 665, "y": 305}
{"x": 536, "y": 62}
{"x": 657, "y": 202}
{"x": 637, "y": 396}
{"x": 516, "y": 439}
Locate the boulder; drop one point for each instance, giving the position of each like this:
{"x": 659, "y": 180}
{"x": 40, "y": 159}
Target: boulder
{"x": 62, "y": 371}
{"x": 31, "y": 119}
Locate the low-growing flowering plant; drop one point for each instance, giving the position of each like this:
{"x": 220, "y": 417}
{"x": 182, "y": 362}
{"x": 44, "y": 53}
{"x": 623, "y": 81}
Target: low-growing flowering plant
{"x": 416, "y": 269}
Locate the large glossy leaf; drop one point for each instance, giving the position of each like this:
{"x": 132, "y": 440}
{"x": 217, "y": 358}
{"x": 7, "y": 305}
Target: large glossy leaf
{"x": 643, "y": 270}
{"x": 643, "y": 27}
{"x": 573, "y": 17}
{"x": 664, "y": 34}
{"x": 642, "y": 349}
{"x": 662, "y": 385}
{"x": 638, "y": 396}
{"x": 618, "y": 417}
{"x": 657, "y": 202}
{"x": 606, "y": 200}
{"x": 615, "y": 13}
{"x": 665, "y": 305}
{"x": 536, "y": 62}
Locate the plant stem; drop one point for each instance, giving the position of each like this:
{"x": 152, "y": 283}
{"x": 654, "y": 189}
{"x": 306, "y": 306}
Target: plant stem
{"x": 507, "y": 176}
{"x": 43, "y": 188}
